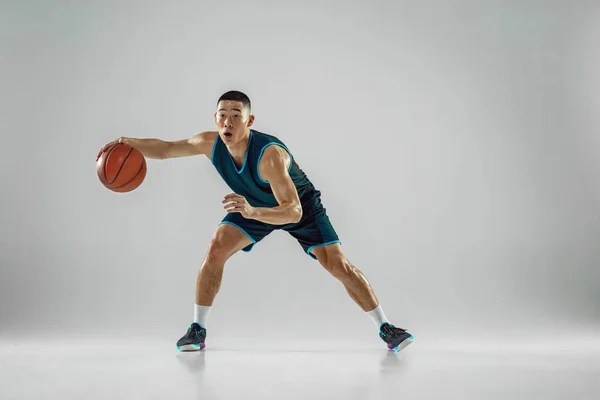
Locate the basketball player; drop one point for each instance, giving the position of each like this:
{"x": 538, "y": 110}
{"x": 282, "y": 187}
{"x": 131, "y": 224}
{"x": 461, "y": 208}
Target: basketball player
{"x": 270, "y": 192}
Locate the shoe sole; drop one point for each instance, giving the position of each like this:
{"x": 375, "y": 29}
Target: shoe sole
{"x": 402, "y": 345}
{"x": 191, "y": 347}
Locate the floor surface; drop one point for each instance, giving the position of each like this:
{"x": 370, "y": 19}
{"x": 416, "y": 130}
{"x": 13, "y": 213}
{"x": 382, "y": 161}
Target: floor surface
{"x": 143, "y": 369}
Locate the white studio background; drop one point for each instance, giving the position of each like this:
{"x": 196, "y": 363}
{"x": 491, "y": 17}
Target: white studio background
{"x": 455, "y": 143}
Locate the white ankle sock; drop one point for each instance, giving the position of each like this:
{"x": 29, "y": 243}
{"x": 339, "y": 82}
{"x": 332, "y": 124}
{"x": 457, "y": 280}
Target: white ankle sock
{"x": 378, "y": 316}
{"x": 201, "y": 314}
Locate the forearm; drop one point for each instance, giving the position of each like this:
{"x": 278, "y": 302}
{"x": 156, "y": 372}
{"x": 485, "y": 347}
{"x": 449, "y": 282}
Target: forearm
{"x": 283, "y": 214}
{"x": 150, "y": 148}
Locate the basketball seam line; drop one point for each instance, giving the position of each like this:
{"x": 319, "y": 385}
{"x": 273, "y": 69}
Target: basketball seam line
{"x": 121, "y": 167}
{"x": 105, "y": 162}
{"x": 135, "y": 176}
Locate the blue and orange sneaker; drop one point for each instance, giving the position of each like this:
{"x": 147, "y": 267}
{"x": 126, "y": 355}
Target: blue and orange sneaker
{"x": 194, "y": 338}
{"x": 396, "y": 338}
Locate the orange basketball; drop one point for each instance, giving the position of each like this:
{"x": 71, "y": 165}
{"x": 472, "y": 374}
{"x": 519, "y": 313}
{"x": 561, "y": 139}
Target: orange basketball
{"x": 121, "y": 168}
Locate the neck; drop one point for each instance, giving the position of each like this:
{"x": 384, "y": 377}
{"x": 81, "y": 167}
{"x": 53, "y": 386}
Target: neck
{"x": 238, "y": 150}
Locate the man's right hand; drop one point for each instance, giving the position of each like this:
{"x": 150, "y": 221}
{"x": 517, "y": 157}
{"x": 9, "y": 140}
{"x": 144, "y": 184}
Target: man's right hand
{"x": 114, "y": 142}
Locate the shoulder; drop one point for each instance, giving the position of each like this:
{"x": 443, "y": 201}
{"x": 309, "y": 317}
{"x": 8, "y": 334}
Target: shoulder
{"x": 202, "y": 137}
{"x": 275, "y": 153}
{"x": 202, "y": 143}
{"x": 270, "y": 149}
{"x": 275, "y": 161}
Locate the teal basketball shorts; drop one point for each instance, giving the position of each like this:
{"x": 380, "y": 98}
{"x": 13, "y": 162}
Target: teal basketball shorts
{"x": 313, "y": 230}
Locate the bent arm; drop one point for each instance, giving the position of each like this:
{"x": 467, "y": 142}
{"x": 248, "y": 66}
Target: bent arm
{"x": 273, "y": 167}
{"x": 200, "y": 143}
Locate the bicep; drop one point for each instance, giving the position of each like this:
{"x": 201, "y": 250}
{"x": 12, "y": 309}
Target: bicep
{"x": 284, "y": 189}
{"x": 274, "y": 168}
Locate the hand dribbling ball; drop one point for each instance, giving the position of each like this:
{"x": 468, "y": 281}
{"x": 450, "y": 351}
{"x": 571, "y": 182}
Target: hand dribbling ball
{"x": 121, "y": 168}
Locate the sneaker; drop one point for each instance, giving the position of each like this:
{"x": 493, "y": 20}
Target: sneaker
{"x": 193, "y": 339}
{"x": 396, "y": 338}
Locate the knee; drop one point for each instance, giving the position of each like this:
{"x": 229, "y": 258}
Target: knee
{"x": 339, "y": 267}
{"x": 217, "y": 253}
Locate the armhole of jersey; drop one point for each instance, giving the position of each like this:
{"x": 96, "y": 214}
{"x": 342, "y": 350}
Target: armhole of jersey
{"x": 261, "y": 153}
{"x": 212, "y": 154}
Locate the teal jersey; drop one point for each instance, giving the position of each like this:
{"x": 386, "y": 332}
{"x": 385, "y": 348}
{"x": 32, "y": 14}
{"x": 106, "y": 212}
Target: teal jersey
{"x": 246, "y": 180}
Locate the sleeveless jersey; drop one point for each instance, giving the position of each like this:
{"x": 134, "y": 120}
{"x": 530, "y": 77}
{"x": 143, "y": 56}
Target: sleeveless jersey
{"x": 246, "y": 180}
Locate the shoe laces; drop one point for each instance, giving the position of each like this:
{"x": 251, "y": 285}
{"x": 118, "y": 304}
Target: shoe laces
{"x": 194, "y": 329}
{"x": 391, "y": 330}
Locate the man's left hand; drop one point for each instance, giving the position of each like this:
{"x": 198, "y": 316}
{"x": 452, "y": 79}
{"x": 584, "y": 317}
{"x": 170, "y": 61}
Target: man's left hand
{"x": 236, "y": 203}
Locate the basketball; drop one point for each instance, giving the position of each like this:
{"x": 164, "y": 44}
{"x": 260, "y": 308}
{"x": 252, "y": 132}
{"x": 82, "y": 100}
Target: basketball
{"x": 121, "y": 168}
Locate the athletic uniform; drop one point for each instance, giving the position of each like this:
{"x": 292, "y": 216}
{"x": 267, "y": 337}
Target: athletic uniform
{"x": 313, "y": 230}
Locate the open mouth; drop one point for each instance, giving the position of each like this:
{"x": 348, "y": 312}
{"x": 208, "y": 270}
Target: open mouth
{"x": 228, "y": 134}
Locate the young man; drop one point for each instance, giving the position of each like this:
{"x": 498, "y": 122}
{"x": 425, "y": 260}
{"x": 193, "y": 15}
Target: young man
{"x": 270, "y": 192}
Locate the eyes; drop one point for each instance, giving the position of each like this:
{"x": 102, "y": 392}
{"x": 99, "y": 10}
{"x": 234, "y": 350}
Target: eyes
{"x": 234, "y": 116}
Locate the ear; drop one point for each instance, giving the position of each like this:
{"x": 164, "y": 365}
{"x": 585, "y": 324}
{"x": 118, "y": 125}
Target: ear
{"x": 215, "y": 117}
{"x": 250, "y": 120}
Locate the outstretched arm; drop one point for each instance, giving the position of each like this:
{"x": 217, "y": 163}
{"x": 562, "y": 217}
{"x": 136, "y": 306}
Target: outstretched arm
{"x": 200, "y": 143}
{"x": 273, "y": 168}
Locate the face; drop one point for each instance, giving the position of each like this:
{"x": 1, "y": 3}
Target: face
{"x": 232, "y": 120}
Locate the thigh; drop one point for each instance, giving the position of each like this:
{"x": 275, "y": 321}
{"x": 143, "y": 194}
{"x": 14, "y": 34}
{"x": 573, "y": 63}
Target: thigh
{"x": 254, "y": 231}
{"x": 314, "y": 232}
{"x": 228, "y": 240}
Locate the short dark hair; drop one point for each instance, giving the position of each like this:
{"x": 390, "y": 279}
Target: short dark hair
{"x": 234, "y": 95}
